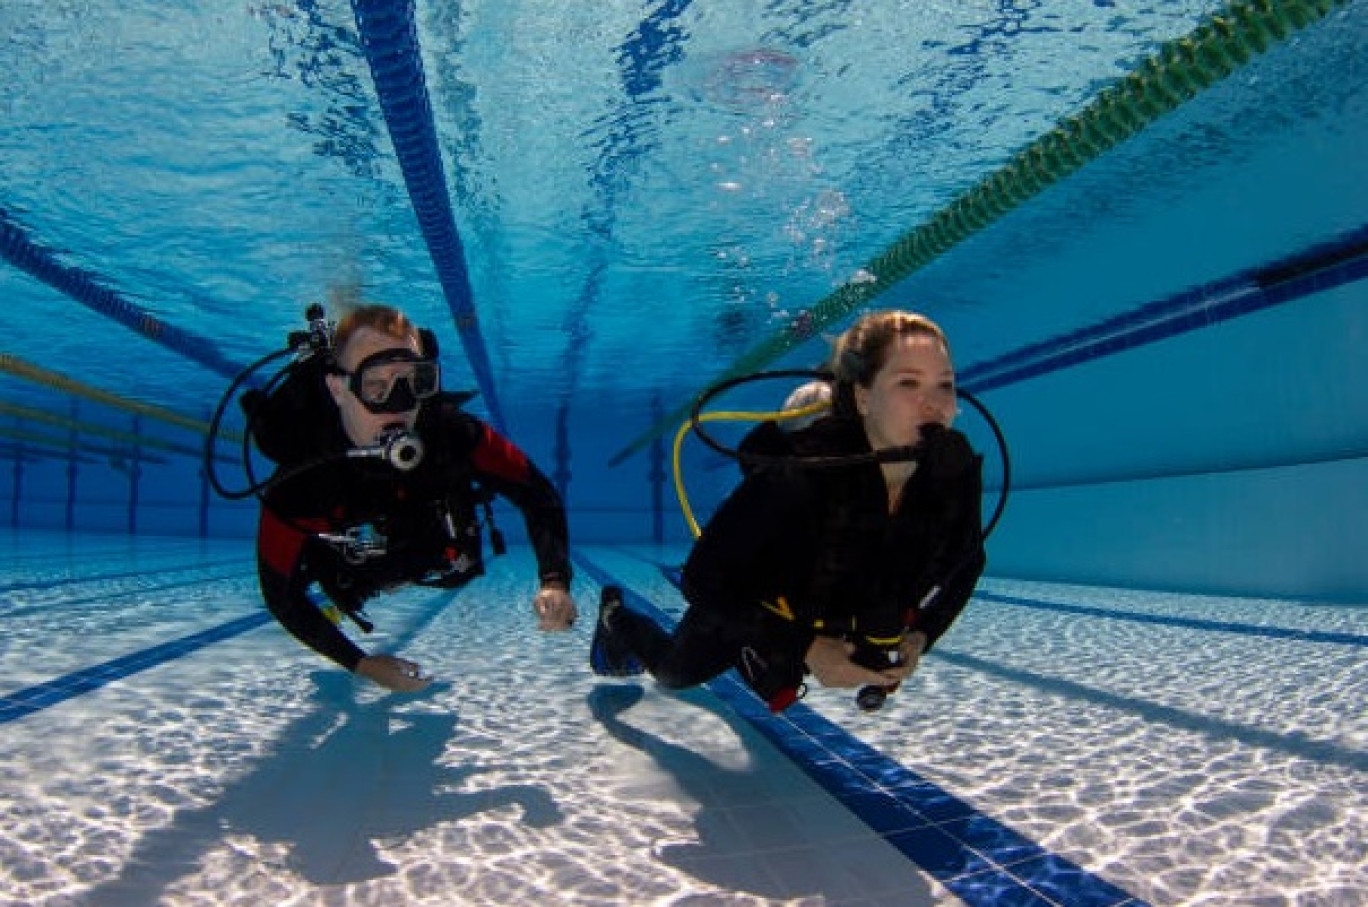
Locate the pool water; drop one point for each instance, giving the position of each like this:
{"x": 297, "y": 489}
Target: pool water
{"x": 1141, "y": 226}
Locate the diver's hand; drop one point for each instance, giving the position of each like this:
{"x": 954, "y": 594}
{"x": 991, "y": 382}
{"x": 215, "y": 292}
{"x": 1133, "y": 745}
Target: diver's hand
{"x": 555, "y": 608}
{"x": 911, "y": 648}
{"x": 828, "y": 658}
{"x": 397, "y": 674}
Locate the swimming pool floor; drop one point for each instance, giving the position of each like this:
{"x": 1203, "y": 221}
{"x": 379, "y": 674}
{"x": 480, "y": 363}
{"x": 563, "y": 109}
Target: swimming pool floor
{"x": 163, "y": 742}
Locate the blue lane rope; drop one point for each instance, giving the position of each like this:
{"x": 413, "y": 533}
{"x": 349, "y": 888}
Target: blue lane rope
{"x": 390, "y": 41}
{"x": 88, "y": 289}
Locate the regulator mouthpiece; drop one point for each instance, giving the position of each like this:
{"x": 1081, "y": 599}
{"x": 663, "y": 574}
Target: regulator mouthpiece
{"x": 399, "y": 448}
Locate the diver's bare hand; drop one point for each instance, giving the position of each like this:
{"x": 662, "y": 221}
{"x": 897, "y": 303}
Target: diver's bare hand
{"x": 911, "y": 647}
{"x": 828, "y": 658}
{"x": 397, "y": 674}
{"x": 555, "y": 609}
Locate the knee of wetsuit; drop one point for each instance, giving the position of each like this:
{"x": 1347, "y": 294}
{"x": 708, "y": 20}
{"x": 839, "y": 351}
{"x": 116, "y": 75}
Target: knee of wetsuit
{"x": 775, "y": 676}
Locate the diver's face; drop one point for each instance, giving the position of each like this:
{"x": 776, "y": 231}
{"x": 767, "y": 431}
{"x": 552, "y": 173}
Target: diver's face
{"x": 916, "y": 386}
{"x": 364, "y": 427}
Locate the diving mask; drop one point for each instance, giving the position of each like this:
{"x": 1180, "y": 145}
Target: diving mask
{"x": 393, "y": 381}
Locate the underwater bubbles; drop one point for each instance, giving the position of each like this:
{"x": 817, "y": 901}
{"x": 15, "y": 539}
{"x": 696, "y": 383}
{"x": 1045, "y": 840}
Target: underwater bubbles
{"x": 752, "y": 79}
{"x": 771, "y": 193}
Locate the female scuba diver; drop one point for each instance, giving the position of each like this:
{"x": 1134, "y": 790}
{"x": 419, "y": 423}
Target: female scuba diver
{"x": 379, "y": 478}
{"x": 849, "y": 547}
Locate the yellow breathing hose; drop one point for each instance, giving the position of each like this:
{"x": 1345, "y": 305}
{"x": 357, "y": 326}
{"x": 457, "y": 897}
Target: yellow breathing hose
{"x": 785, "y": 415}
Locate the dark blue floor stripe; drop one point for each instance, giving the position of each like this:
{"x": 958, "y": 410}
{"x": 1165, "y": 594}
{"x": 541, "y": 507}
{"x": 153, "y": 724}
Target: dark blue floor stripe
{"x": 36, "y": 698}
{"x": 980, "y": 860}
{"x": 1190, "y": 623}
{"x": 98, "y": 597}
{"x": 51, "y": 582}
{"x": 1294, "y": 742}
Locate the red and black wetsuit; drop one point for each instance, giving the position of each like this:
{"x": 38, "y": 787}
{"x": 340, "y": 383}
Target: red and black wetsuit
{"x": 427, "y": 517}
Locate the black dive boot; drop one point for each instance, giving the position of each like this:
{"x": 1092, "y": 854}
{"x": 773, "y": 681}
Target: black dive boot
{"x": 608, "y": 653}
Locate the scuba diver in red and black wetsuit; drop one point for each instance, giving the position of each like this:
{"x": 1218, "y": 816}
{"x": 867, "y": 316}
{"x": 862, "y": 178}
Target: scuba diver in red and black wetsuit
{"x": 381, "y": 482}
{"x": 849, "y": 547}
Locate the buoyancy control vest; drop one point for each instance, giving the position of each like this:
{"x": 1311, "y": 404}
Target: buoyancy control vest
{"x": 944, "y": 455}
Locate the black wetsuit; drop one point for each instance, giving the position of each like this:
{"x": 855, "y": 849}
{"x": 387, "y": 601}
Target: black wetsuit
{"x": 427, "y": 517}
{"x": 794, "y": 551}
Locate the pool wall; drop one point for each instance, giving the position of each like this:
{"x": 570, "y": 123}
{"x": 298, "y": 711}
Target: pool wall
{"x": 1232, "y": 459}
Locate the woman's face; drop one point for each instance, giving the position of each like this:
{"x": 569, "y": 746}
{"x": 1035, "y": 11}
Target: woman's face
{"x": 916, "y": 386}
{"x": 364, "y": 427}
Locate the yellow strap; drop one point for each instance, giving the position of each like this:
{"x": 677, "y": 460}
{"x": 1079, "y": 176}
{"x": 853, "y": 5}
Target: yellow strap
{"x": 781, "y": 607}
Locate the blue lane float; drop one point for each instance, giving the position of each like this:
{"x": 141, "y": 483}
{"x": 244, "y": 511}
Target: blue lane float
{"x": 89, "y": 290}
{"x": 389, "y": 39}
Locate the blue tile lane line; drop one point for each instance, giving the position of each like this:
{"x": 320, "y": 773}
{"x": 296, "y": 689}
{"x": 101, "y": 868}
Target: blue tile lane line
{"x": 980, "y": 860}
{"x": 1187, "y": 623}
{"x": 41, "y": 696}
{"x": 1315, "y": 270}
{"x": 50, "y": 582}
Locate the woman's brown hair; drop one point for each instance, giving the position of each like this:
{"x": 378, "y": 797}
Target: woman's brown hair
{"x": 862, "y": 350}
